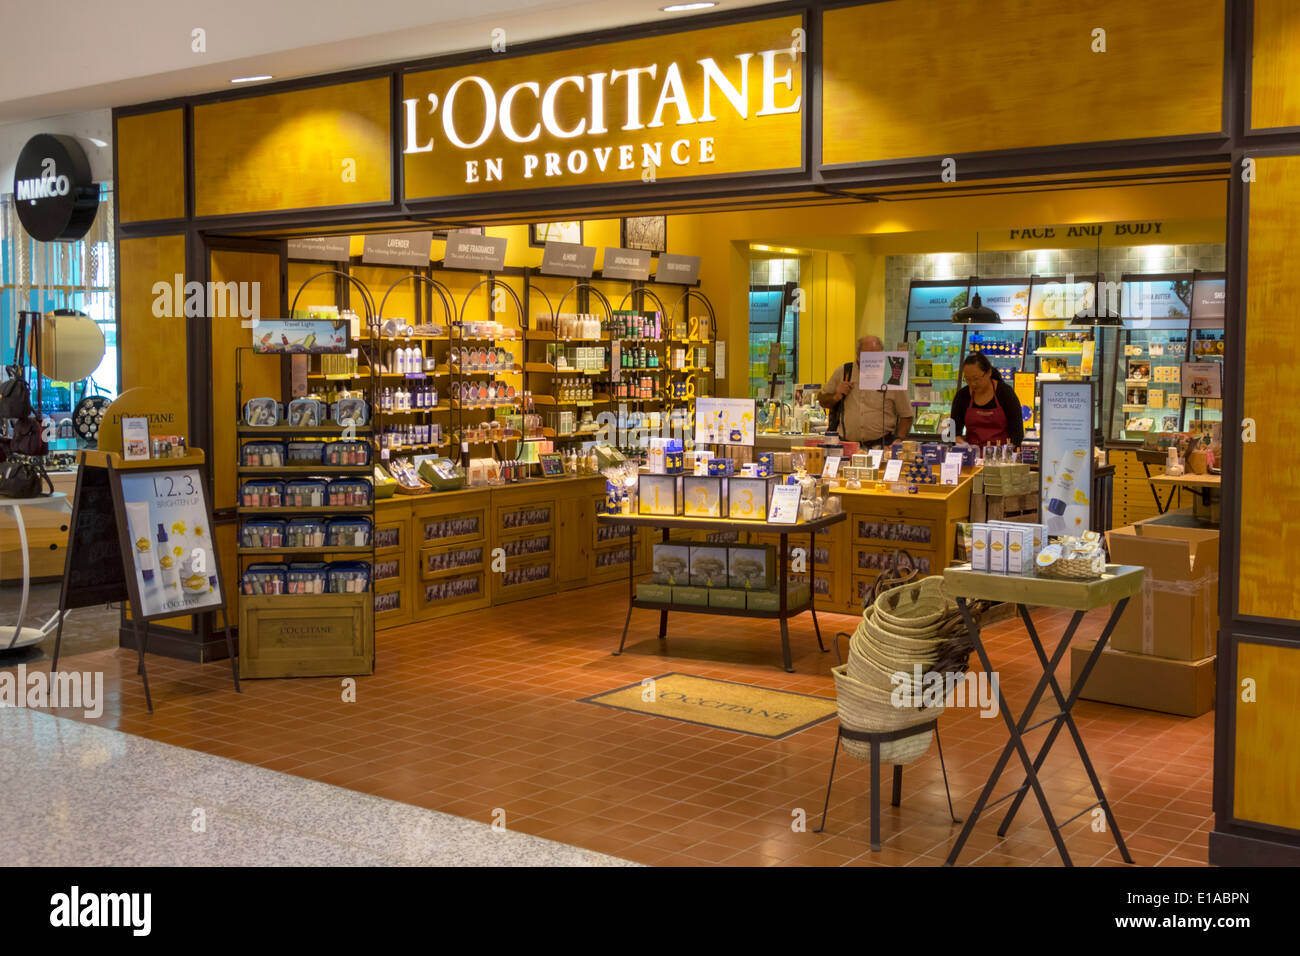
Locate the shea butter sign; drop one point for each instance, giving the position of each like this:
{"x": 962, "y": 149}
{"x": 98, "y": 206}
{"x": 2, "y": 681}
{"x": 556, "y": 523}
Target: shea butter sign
{"x": 712, "y": 102}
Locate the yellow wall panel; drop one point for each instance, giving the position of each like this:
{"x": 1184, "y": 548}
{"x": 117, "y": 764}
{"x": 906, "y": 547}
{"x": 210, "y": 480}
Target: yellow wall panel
{"x": 951, "y": 76}
{"x": 1267, "y": 763}
{"x": 1275, "y": 63}
{"x": 291, "y": 150}
{"x": 151, "y": 166}
{"x": 1270, "y": 497}
{"x": 152, "y": 347}
{"x": 260, "y": 373}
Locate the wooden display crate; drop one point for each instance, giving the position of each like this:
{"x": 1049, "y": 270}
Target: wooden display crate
{"x": 1004, "y": 507}
{"x": 306, "y": 635}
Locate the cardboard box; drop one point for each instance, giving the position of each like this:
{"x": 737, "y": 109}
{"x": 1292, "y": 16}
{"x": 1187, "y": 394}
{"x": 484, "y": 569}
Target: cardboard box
{"x": 726, "y": 597}
{"x": 699, "y": 597}
{"x": 1139, "y": 680}
{"x": 672, "y": 563}
{"x": 1020, "y": 551}
{"x": 1185, "y": 595}
{"x": 979, "y": 554}
{"x": 708, "y": 566}
{"x": 658, "y": 593}
{"x": 997, "y": 550}
{"x": 752, "y": 567}
{"x": 796, "y": 595}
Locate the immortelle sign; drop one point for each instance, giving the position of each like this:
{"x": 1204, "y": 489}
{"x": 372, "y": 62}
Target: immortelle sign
{"x": 717, "y": 101}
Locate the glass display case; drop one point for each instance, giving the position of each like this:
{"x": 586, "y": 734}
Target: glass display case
{"x": 936, "y": 346}
{"x": 1169, "y": 320}
{"x": 773, "y": 339}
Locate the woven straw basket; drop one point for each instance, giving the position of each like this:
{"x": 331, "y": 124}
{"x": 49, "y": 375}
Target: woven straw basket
{"x": 1075, "y": 569}
{"x": 869, "y": 710}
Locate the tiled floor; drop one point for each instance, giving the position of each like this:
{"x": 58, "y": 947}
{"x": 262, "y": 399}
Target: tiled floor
{"x": 477, "y": 715}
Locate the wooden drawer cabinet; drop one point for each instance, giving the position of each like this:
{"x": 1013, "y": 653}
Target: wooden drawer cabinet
{"x": 389, "y": 569}
{"x": 452, "y": 559}
{"x": 872, "y": 560}
{"x": 894, "y": 531}
{"x": 392, "y": 604}
{"x": 525, "y": 516}
{"x": 450, "y": 595}
{"x": 524, "y": 579}
{"x": 450, "y": 527}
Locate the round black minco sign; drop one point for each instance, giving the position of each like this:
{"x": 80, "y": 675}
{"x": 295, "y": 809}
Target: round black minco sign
{"x": 53, "y": 191}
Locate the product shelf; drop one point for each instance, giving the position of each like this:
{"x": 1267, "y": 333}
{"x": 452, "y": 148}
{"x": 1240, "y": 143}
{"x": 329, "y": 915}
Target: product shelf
{"x": 299, "y": 431}
{"x": 535, "y": 336}
{"x": 508, "y": 370}
{"x": 321, "y": 510}
{"x": 304, "y": 470}
{"x": 262, "y": 552}
{"x": 483, "y": 406}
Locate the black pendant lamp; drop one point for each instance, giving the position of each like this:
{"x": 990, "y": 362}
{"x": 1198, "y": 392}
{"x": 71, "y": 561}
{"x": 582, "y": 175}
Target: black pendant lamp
{"x": 1108, "y": 318}
{"x": 976, "y": 312}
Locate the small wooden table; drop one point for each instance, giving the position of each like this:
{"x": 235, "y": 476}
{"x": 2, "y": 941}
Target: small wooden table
{"x": 1204, "y": 485}
{"x": 784, "y": 613}
{"x": 1116, "y": 586}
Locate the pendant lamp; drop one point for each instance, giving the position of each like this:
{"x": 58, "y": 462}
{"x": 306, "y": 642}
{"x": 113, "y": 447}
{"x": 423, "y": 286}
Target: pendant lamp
{"x": 976, "y": 312}
{"x": 1107, "y": 317}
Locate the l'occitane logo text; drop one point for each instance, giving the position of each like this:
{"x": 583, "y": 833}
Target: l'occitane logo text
{"x": 470, "y": 113}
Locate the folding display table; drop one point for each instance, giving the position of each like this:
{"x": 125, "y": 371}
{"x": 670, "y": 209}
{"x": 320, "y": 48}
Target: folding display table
{"x": 783, "y": 613}
{"x": 1116, "y": 586}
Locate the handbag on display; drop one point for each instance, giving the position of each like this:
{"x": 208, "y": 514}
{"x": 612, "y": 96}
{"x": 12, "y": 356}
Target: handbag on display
{"x": 15, "y": 393}
{"x": 23, "y": 477}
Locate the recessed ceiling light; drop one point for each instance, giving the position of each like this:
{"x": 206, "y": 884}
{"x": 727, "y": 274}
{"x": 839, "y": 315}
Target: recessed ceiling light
{"x": 684, "y": 7}
{"x": 251, "y": 79}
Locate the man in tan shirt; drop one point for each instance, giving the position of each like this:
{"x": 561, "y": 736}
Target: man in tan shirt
{"x": 870, "y": 416}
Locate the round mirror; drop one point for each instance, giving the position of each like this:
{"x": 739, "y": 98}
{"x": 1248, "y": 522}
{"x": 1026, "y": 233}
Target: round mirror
{"x": 72, "y": 345}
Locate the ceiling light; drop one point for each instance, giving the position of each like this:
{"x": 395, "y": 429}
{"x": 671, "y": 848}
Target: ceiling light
{"x": 251, "y": 79}
{"x": 684, "y": 7}
{"x": 977, "y": 313}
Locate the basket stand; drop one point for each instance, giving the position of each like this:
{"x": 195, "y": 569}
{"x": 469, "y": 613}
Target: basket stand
{"x": 875, "y": 740}
{"x": 897, "y": 796}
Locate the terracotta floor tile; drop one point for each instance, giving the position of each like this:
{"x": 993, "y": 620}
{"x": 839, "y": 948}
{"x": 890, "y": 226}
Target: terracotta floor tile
{"x": 483, "y": 718}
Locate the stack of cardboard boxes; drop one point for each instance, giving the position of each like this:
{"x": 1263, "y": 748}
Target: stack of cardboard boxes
{"x": 1163, "y": 661}
{"x": 697, "y": 574}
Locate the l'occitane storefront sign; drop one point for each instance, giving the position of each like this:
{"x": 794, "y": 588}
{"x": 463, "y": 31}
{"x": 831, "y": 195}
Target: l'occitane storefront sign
{"x": 724, "y": 100}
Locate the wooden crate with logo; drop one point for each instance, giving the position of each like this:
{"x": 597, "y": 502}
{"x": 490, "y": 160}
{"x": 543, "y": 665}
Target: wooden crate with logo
{"x": 306, "y": 635}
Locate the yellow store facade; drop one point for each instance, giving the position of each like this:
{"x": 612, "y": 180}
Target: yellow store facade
{"x": 848, "y": 133}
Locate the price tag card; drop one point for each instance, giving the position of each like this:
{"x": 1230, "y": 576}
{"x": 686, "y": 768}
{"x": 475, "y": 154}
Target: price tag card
{"x": 876, "y": 454}
{"x": 784, "y": 508}
{"x": 950, "y": 471}
{"x": 893, "y": 469}
{"x": 832, "y": 467}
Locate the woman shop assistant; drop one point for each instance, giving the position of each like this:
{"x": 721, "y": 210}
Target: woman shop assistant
{"x": 986, "y": 410}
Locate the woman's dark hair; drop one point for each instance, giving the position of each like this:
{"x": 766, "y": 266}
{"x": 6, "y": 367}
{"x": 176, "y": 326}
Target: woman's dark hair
{"x": 980, "y": 359}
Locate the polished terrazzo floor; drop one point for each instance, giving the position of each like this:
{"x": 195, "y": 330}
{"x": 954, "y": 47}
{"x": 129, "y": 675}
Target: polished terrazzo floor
{"x": 482, "y": 712}
{"x": 81, "y": 795}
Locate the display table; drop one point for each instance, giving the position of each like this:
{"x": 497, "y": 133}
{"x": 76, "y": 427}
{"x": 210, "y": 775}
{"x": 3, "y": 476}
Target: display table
{"x": 1116, "y": 586}
{"x": 783, "y": 531}
{"x": 1207, "y": 486}
{"x": 14, "y": 636}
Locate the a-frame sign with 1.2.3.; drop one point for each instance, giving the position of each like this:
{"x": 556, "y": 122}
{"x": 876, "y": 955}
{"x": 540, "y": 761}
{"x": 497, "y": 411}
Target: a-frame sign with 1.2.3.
{"x": 142, "y": 532}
